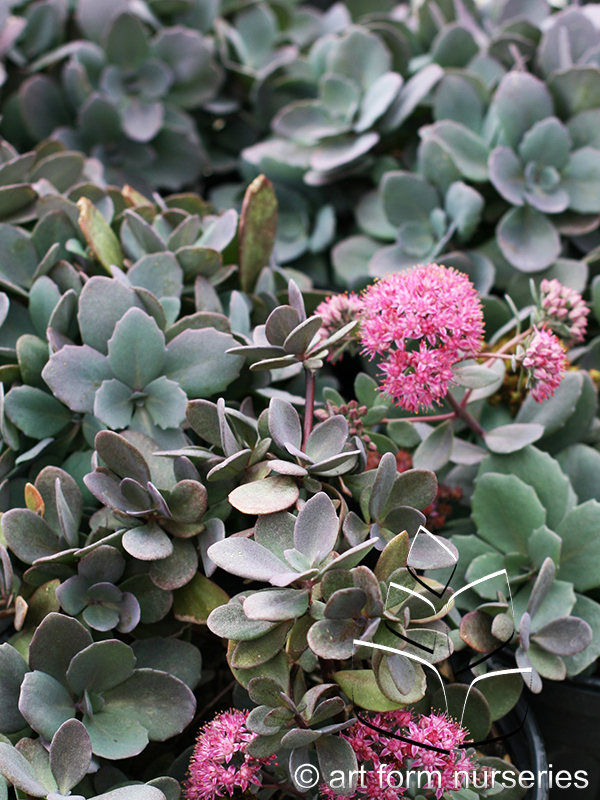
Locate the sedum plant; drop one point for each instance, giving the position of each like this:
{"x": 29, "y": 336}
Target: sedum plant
{"x": 358, "y": 96}
{"x": 139, "y": 88}
{"x": 93, "y": 592}
{"x": 53, "y": 773}
{"x": 98, "y": 680}
{"x": 538, "y": 167}
{"x": 145, "y": 514}
{"x": 73, "y": 575}
{"x": 201, "y": 451}
{"x": 549, "y": 553}
{"x": 131, "y": 385}
{"x": 416, "y": 218}
{"x": 438, "y": 92}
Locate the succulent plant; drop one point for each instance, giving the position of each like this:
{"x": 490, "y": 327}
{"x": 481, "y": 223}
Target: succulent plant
{"x": 52, "y": 773}
{"x": 389, "y": 502}
{"x": 422, "y": 223}
{"x": 51, "y": 523}
{"x": 300, "y": 549}
{"x": 545, "y": 644}
{"x": 177, "y": 247}
{"x": 305, "y": 227}
{"x": 148, "y": 515}
{"x": 100, "y": 680}
{"x": 137, "y": 85}
{"x": 359, "y": 98}
{"x": 546, "y": 570}
{"x": 539, "y": 168}
{"x": 290, "y": 337}
{"x": 325, "y": 604}
{"x": 232, "y": 432}
{"x": 350, "y": 614}
{"x": 579, "y": 49}
{"x": 94, "y": 594}
{"x": 129, "y": 384}
{"x": 55, "y": 772}
{"x": 287, "y": 724}
{"x": 328, "y": 451}
{"x": 169, "y": 394}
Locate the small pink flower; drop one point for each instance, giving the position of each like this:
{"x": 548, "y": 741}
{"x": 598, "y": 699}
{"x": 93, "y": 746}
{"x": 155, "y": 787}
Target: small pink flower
{"x": 418, "y": 378}
{"x": 544, "y": 362}
{"x": 337, "y": 311}
{"x": 219, "y": 763}
{"x": 422, "y": 321}
{"x": 385, "y": 756}
{"x": 442, "y": 731}
{"x": 564, "y": 309}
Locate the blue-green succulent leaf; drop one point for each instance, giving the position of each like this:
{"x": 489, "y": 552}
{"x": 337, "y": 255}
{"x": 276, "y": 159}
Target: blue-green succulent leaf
{"x": 45, "y": 703}
{"x": 13, "y": 669}
{"x": 75, "y": 374}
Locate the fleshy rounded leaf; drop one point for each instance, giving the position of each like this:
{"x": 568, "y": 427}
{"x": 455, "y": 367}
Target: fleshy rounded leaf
{"x": 70, "y": 755}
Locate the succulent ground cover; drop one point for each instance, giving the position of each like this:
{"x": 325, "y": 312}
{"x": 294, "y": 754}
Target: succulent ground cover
{"x": 299, "y": 317}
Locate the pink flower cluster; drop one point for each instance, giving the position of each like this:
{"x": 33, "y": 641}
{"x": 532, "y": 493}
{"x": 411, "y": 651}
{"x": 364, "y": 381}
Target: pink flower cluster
{"x": 559, "y": 304}
{"x": 219, "y": 765}
{"x": 337, "y": 311}
{"x": 383, "y": 754}
{"x": 423, "y": 321}
{"x": 544, "y": 362}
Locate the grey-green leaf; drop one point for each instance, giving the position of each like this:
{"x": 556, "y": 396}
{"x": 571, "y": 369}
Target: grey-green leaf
{"x": 13, "y": 669}
{"x": 493, "y": 502}
{"x": 316, "y": 528}
{"x": 15, "y": 768}
{"x": 246, "y": 558}
{"x": 435, "y": 451}
{"x": 70, "y": 755}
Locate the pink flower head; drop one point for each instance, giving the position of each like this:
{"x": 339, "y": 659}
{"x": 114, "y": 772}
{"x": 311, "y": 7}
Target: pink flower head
{"x": 423, "y": 321}
{"x": 386, "y": 757}
{"x": 337, "y": 311}
{"x": 219, "y": 763}
{"x": 442, "y": 731}
{"x": 563, "y": 309}
{"x": 544, "y": 362}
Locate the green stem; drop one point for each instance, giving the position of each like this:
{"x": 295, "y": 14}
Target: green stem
{"x": 309, "y": 406}
{"x": 463, "y": 414}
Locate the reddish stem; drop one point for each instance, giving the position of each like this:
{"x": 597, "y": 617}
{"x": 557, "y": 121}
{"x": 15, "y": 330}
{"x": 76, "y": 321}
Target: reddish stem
{"x": 463, "y": 414}
{"x": 436, "y": 418}
{"x": 309, "y": 406}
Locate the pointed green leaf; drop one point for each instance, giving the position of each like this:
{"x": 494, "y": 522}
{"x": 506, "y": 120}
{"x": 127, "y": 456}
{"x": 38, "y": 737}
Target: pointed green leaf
{"x": 258, "y": 226}
{"x": 99, "y": 235}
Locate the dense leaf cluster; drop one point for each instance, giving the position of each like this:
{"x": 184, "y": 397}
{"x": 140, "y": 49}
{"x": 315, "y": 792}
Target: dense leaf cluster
{"x": 186, "y": 464}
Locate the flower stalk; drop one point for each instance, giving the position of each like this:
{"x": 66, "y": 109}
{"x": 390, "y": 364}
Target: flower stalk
{"x": 462, "y": 413}
{"x": 309, "y": 408}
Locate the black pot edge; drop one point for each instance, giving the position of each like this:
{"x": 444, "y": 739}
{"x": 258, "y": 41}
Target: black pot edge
{"x": 591, "y": 682}
{"x": 526, "y": 747}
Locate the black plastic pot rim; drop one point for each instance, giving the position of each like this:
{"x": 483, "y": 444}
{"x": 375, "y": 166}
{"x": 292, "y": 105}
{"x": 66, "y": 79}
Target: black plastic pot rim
{"x": 526, "y": 747}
